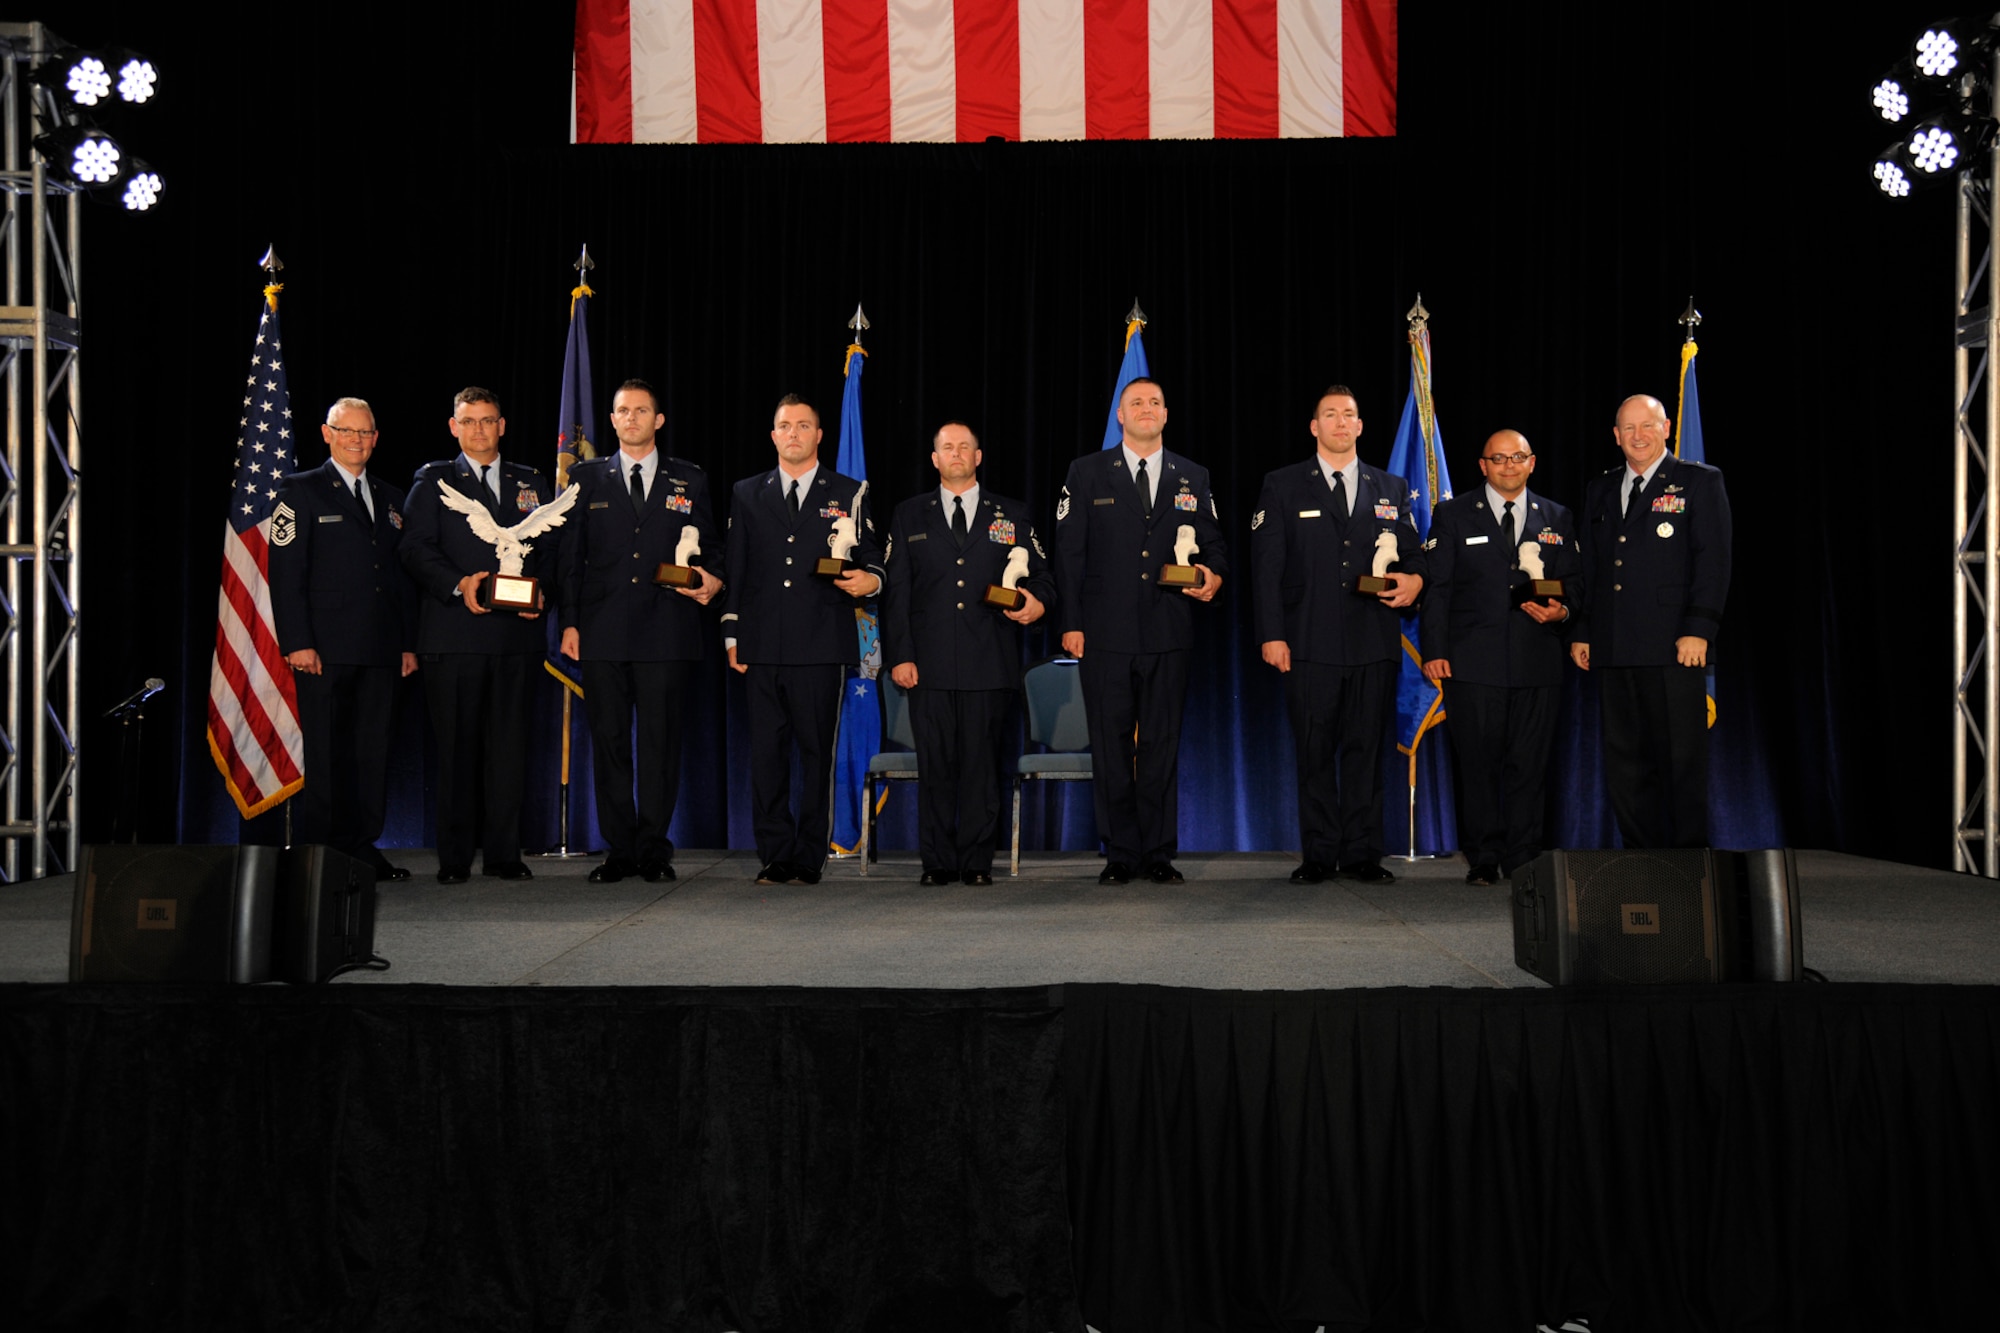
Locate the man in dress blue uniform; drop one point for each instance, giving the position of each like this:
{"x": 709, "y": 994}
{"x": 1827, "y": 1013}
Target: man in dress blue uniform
{"x": 1117, "y": 523}
{"x": 638, "y": 641}
{"x": 954, "y": 653}
{"x": 1317, "y": 528}
{"x": 791, "y": 633}
{"x": 477, "y": 661}
{"x": 343, "y": 610}
{"x": 1656, "y": 534}
{"x": 1497, "y": 652}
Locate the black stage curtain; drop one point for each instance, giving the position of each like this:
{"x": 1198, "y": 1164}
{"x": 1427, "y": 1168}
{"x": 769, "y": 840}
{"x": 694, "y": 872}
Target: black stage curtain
{"x": 1805, "y": 1157}
{"x": 1149, "y": 1160}
{"x": 1565, "y": 176}
{"x": 437, "y": 1158}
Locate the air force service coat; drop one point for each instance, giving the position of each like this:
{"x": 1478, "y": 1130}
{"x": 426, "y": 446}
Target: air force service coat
{"x": 779, "y": 612}
{"x": 1108, "y": 554}
{"x": 337, "y": 586}
{"x": 934, "y": 611}
{"x": 610, "y": 552}
{"x": 1472, "y": 613}
{"x": 439, "y": 549}
{"x": 1304, "y": 565}
{"x": 1660, "y": 576}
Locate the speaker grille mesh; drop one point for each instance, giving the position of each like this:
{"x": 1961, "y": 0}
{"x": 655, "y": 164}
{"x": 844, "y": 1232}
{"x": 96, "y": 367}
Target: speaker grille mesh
{"x": 1642, "y": 917}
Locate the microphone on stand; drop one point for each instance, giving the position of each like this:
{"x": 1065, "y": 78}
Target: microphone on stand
{"x": 139, "y": 696}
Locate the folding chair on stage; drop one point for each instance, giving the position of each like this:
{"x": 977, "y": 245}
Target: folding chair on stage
{"x": 1055, "y": 722}
{"x": 889, "y": 765}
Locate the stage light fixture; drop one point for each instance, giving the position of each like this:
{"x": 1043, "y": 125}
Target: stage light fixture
{"x": 1933, "y": 149}
{"x": 1890, "y": 178}
{"x": 137, "y": 79}
{"x": 1892, "y": 100}
{"x": 1944, "y": 143}
{"x": 1937, "y": 53}
{"x": 142, "y": 188}
{"x": 83, "y": 155}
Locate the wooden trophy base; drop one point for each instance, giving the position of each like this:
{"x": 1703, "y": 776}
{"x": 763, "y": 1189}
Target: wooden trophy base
{"x": 1546, "y": 590}
{"x": 1180, "y": 576}
{"x": 511, "y": 592}
{"x": 677, "y": 576}
{"x": 1007, "y": 599}
{"x": 832, "y": 566}
{"x": 1373, "y": 585}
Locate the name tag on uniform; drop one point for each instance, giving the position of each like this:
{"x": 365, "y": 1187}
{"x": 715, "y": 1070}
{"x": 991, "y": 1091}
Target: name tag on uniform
{"x": 331, "y": 518}
{"x": 600, "y": 504}
{"x": 1309, "y": 513}
{"x": 1107, "y": 500}
{"x": 919, "y": 536}
{"x": 1477, "y": 541}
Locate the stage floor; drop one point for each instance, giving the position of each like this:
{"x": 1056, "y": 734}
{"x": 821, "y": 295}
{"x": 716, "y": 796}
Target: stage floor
{"x": 1237, "y": 924}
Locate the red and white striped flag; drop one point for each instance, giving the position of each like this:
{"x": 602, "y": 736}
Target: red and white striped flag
{"x": 253, "y": 709}
{"x": 848, "y": 71}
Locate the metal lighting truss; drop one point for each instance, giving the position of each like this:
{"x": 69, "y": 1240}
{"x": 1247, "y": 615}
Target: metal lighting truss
{"x": 41, "y": 236}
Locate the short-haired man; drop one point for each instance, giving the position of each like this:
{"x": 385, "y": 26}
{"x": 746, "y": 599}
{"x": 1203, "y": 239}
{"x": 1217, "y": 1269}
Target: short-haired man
{"x": 957, "y": 656}
{"x": 1497, "y": 652}
{"x": 1117, "y": 524}
{"x": 791, "y": 633}
{"x": 343, "y": 611}
{"x": 1317, "y": 528}
{"x": 477, "y": 661}
{"x": 1656, "y": 534}
{"x": 638, "y": 641}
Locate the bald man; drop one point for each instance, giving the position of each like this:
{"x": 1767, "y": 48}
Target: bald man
{"x": 1656, "y": 535}
{"x": 1498, "y": 653}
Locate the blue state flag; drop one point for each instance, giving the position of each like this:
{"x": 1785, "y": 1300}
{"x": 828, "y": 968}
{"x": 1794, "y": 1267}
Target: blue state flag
{"x": 1418, "y": 458}
{"x": 1688, "y": 431}
{"x": 577, "y": 413}
{"x": 1688, "y": 446}
{"x": 1131, "y": 368}
{"x": 860, "y": 712}
{"x": 575, "y": 791}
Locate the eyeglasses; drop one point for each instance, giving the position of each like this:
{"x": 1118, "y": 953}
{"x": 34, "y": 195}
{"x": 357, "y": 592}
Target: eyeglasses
{"x": 1516, "y": 459}
{"x": 793, "y": 427}
{"x": 635, "y": 412}
{"x": 478, "y": 423}
{"x": 349, "y": 435}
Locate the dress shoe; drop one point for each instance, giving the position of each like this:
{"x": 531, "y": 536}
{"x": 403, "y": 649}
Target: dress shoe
{"x": 1367, "y": 872}
{"x": 510, "y": 870}
{"x": 775, "y": 873}
{"x": 388, "y": 874}
{"x": 979, "y": 879}
{"x": 1311, "y": 872}
{"x": 1117, "y": 872}
{"x": 453, "y": 874}
{"x": 1163, "y": 872}
{"x": 654, "y": 872}
{"x": 801, "y": 875}
{"x": 612, "y": 870}
{"x": 937, "y": 877}
{"x": 1483, "y": 876}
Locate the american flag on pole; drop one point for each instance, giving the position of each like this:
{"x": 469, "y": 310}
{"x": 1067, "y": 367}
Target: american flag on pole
{"x": 253, "y": 710}
{"x": 851, "y": 71}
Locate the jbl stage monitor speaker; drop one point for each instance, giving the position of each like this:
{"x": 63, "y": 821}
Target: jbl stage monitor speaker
{"x": 325, "y": 916}
{"x": 153, "y": 913}
{"x": 1657, "y": 917}
{"x": 1633, "y": 917}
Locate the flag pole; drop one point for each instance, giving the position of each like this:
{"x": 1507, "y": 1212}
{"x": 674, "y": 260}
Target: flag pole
{"x": 272, "y": 267}
{"x": 571, "y": 691}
